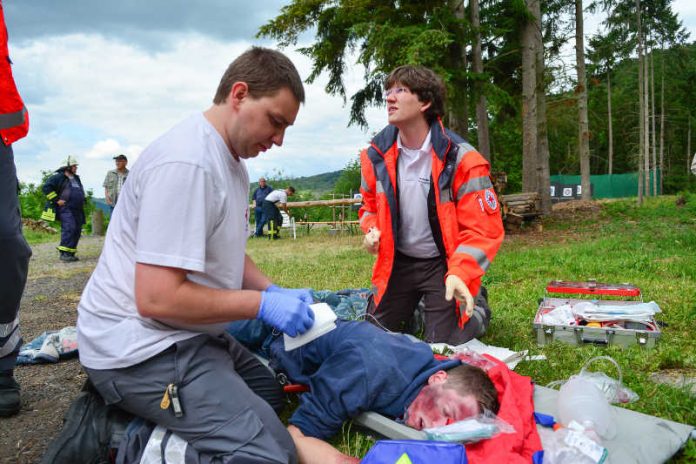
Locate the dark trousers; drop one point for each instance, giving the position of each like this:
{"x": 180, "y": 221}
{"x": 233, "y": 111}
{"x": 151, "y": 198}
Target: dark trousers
{"x": 272, "y": 213}
{"x": 259, "y": 221}
{"x": 14, "y": 260}
{"x": 70, "y": 228}
{"x": 416, "y": 278}
{"x": 227, "y": 397}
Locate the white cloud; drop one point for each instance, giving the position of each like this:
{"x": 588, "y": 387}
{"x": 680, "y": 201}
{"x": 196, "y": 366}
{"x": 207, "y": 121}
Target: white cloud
{"x": 100, "y": 97}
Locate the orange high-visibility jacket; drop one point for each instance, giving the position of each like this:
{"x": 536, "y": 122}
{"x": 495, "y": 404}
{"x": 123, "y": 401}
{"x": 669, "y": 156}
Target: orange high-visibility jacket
{"x": 14, "y": 119}
{"x": 469, "y": 227}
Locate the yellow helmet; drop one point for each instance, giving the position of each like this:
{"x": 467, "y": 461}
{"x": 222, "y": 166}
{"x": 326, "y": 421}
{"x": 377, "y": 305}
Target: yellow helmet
{"x": 71, "y": 161}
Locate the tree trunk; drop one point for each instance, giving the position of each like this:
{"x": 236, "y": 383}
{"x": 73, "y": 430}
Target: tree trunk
{"x": 640, "y": 105}
{"x": 610, "y": 129}
{"x": 543, "y": 170}
{"x": 458, "y": 116}
{"x": 581, "y": 92}
{"x": 662, "y": 118}
{"x": 688, "y": 147}
{"x": 646, "y": 121}
{"x": 529, "y": 109}
{"x": 481, "y": 103}
{"x": 652, "y": 122}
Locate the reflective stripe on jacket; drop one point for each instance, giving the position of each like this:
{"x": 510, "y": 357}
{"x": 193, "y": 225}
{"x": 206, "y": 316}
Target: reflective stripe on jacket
{"x": 467, "y": 208}
{"x": 14, "y": 119}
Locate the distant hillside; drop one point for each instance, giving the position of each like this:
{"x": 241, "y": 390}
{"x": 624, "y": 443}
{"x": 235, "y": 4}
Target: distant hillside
{"x": 318, "y": 184}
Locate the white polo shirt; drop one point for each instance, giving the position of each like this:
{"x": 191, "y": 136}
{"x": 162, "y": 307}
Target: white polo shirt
{"x": 277, "y": 196}
{"x": 414, "y": 170}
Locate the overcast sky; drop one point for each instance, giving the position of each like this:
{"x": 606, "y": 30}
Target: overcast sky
{"x": 101, "y": 78}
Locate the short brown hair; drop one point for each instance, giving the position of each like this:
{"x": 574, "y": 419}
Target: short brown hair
{"x": 290, "y": 188}
{"x": 265, "y": 71}
{"x": 422, "y": 81}
{"x": 471, "y": 380}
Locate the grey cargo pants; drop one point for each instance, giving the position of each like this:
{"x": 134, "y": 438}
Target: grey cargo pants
{"x": 225, "y": 393}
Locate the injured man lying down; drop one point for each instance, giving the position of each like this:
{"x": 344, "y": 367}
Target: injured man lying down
{"x": 358, "y": 367}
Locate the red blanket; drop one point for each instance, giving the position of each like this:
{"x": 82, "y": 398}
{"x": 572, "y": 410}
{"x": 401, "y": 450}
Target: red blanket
{"x": 515, "y": 394}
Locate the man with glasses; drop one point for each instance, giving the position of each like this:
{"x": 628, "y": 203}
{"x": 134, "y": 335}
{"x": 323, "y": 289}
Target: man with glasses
{"x": 429, "y": 214}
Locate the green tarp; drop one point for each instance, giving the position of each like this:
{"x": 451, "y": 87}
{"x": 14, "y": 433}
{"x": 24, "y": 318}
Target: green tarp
{"x": 603, "y": 186}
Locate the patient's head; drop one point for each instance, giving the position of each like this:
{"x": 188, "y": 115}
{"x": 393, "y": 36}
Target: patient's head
{"x": 451, "y": 396}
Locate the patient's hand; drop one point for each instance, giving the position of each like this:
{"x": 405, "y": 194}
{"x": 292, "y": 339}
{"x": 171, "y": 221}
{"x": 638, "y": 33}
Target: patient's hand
{"x": 311, "y": 450}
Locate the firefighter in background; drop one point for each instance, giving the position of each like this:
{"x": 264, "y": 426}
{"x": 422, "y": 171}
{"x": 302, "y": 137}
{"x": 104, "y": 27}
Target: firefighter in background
{"x": 15, "y": 253}
{"x": 65, "y": 201}
{"x": 429, "y": 214}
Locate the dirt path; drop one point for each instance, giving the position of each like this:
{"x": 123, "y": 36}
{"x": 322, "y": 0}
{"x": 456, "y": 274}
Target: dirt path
{"x": 49, "y": 303}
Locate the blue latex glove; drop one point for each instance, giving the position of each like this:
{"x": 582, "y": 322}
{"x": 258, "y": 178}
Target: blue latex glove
{"x": 304, "y": 294}
{"x": 286, "y": 313}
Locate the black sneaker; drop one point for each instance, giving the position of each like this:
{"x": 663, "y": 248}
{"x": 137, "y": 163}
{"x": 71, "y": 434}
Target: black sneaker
{"x": 86, "y": 437}
{"x": 10, "y": 401}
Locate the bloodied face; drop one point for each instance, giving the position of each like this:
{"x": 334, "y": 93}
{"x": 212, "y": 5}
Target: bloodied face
{"x": 437, "y": 405}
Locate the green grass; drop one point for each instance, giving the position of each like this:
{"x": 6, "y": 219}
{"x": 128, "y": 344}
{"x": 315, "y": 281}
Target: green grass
{"x": 34, "y": 237}
{"x": 653, "y": 247}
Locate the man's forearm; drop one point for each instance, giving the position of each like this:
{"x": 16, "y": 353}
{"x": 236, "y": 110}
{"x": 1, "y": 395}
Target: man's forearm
{"x": 253, "y": 278}
{"x": 166, "y": 293}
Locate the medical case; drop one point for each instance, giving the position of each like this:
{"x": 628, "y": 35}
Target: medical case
{"x": 627, "y": 334}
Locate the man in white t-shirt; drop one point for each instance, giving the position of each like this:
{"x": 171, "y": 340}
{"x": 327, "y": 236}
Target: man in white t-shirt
{"x": 173, "y": 272}
{"x": 271, "y": 212}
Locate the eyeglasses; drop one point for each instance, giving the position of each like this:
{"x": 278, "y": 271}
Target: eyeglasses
{"x": 395, "y": 91}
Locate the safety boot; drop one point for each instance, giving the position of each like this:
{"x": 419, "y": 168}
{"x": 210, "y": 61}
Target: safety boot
{"x": 90, "y": 431}
{"x": 10, "y": 401}
{"x": 68, "y": 257}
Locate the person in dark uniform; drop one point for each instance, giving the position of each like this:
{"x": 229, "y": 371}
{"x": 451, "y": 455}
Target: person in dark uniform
{"x": 258, "y": 196}
{"x": 65, "y": 201}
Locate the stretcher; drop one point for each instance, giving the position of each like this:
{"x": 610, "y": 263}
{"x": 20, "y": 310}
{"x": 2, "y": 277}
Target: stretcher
{"x": 640, "y": 438}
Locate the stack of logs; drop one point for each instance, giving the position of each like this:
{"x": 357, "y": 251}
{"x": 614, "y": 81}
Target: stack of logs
{"x": 38, "y": 226}
{"x": 519, "y": 208}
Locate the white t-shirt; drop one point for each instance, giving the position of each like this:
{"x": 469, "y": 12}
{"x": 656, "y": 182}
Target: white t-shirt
{"x": 277, "y": 196}
{"x": 414, "y": 169}
{"x": 184, "y": 206}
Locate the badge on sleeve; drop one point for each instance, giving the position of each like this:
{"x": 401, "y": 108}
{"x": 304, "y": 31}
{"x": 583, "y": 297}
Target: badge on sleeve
{"x": 491, "y": 200}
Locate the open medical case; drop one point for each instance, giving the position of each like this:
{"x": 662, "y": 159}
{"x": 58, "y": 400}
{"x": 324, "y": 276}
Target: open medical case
{"x": 618, "y": 332}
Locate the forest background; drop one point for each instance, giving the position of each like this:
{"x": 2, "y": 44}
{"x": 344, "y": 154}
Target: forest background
{"x": 513, "y": 91}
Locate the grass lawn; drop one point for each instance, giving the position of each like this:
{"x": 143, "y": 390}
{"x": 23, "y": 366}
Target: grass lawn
{"x": 653, "y": 247}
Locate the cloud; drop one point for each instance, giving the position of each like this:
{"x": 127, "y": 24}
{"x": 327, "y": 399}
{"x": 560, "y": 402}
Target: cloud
{"x": 91, "y": 96}
{"x": 151, "y": 24}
